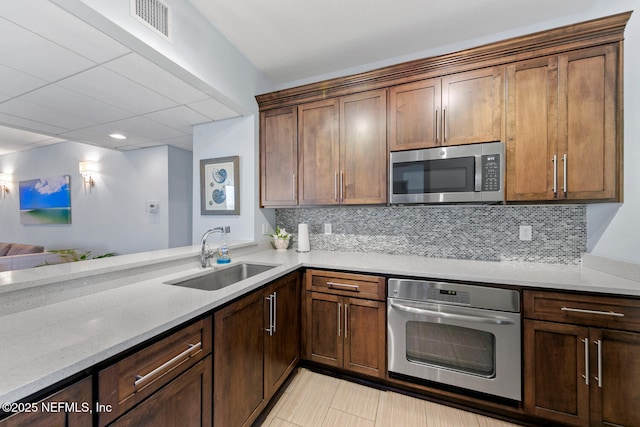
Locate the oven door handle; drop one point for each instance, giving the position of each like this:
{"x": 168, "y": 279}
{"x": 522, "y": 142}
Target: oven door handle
{"x": 494, "y": 320}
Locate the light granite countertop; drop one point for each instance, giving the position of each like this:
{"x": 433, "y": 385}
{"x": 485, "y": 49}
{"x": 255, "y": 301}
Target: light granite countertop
{"x": 57, "y": 321}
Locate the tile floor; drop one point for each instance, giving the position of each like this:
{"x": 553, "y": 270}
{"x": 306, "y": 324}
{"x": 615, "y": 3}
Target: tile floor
{"x": 318, "y": 400}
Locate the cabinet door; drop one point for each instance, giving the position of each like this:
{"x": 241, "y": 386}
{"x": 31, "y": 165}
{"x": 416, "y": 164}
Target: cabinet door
{"x": 588, "y": 142}
{"x": 282, "y": 347}
{"x": 324, "y": 329}
{"x": 532, "y": 130}
{"x": 238, "y": 391}
{"x": 77, "y": 394}
{"x": 415, "y": 115}
{"x": 364, "y": 336}
{"x": 185, "y": 401}
{"x": 472, "y": 106}
{"x": 363, "y": 148}
{"x": 278, "y": 157}
{"x": 319, "y": 145}
{"x": 615, "y": 378}
{"x": 554, "y": 367}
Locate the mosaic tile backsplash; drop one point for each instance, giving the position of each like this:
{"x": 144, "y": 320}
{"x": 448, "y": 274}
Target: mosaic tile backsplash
{"x": 488, "y": 233}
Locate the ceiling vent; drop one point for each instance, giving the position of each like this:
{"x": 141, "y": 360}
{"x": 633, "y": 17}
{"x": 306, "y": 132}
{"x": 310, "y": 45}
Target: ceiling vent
{"x": 152, "y": 12}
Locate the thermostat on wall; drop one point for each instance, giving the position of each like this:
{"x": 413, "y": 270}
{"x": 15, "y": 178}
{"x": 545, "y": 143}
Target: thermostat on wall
{"x": 153, "y": 207}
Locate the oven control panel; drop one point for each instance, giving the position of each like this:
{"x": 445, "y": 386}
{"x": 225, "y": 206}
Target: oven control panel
{"x": 448, "y": 296}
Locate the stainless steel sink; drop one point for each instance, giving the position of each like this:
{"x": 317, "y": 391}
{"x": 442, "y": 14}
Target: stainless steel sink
{"x": 221, "y": 278}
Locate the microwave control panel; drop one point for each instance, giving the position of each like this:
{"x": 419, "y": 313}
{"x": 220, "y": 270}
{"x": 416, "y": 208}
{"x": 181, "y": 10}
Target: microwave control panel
{"x": 491, "y": 172}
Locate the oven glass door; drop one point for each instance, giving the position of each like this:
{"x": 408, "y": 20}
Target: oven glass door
{"x": 451, "y": 347}
{"x": 455, "y": 175}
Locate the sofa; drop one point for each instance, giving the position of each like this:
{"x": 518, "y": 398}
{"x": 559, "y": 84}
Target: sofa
{"x": 18, "y": 256}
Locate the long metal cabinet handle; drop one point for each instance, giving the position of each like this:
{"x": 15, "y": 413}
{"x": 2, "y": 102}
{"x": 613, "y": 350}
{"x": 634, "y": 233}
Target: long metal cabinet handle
{"x": 193, "y": 348}
{"x": 335, "y": 186}
{"x": 564, "y": 169}
{"x": 270, "y": 328}
{"x": 555, "y": 174}
{"x": 455, "y": 316}
{"x": 275, "y": 310}
{"x": 586, "y": 361}
{"x": 341, "y": 185}
{"x": 436, "y": 123}
{"x": 444, "y": 124}
{"x": 339, "y": 331}
{"x": 294, "y": 183}
{"x": 346, "y": 320}
{"x": 342, "y": 286}
{"x": 602, "y": 313}
{"x": 599, "y": 377}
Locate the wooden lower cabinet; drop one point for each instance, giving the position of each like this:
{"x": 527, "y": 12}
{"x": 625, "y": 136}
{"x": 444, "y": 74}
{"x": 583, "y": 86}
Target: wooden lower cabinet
{"x": 342, "y": 331}
{"x": 256, "y": 344}
{"x": 185, "y": 401}
{"x": 581, "y": 373}
{"x": 51, "y": 411}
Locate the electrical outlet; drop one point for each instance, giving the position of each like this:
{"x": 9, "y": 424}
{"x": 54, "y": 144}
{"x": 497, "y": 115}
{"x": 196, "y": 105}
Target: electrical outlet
{"x": 525, "y": 233}
{"x": 265, "y": 229}
{"x": 327, "y": 228}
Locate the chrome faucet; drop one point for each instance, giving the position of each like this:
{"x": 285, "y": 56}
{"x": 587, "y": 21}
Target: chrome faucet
{"x": 207, "y": 254}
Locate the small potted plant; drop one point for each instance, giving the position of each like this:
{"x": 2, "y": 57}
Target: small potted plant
{"x": 281, "y": 239}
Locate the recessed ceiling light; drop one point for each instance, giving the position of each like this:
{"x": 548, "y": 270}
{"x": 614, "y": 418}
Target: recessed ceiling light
{"x": 117, "y": 136}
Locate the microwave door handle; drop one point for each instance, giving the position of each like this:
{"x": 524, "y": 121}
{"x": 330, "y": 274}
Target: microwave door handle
{"x": 453, "y": 316}
{"x": 478, "y": 175}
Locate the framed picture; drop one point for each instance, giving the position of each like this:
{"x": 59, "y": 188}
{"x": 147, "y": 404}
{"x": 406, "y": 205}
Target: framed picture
{"x": 45, "y": 200}
{"x": 220, "y": 186}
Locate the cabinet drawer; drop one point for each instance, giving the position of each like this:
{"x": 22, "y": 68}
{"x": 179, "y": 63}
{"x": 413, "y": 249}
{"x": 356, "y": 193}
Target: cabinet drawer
{"x": 348, "y": 284}
{"x": 587, "y": 310}
{"x": 126, "y": 383}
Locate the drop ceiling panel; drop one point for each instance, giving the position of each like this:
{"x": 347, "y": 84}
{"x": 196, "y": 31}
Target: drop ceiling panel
{"x": 35, "y": 55}
{"x": 32, "y": 125}
{"x": 14, "y": 82}
{"x": 62, "y": 28}
{"x": 99, "y": 135}
{"x": 181, "y": 118}
{"x": 112, "y": 88}
{"x": 149, "y": 75}
{"x": 146, "y": 128}
{"x": 74, "y": 103}
{"x": 213, "y": 109}
{"x": 21, "y": 108}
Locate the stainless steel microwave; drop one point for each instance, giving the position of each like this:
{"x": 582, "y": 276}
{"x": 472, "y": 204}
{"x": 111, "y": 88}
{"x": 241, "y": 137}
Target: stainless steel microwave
{"x": 456, "y": 174}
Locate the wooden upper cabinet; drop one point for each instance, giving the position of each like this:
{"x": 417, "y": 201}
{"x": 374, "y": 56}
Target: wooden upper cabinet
{"x": 279, "y": 157}
{"x": 587, "y": 116}
{"x": 562, "y": 120}
{"x": 363, "y": 148}
{"x": 462, "y": 108}
{"x": 414, "y": 115}
{"x": 319, "y": 145}
{"x": 472, "y": 106}
{"x": 532, "y": 136}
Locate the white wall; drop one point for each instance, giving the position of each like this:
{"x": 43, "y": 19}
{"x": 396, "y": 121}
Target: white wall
{"x": 113, "y": 216}
{"x": 233, "y": 137}
{"x": 180, "y": 202}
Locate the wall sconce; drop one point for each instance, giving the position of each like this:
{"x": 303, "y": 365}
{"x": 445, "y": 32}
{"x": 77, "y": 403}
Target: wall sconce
{"x": 5, "y": 179}
{"x": 87, "y": 169}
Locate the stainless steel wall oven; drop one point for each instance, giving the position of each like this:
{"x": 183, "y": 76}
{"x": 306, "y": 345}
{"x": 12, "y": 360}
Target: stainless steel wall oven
{"x": 462, "y": 335}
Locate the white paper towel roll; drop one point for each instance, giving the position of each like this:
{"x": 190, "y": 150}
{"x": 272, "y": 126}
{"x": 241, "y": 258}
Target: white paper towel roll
{"x": 303, "y": 238}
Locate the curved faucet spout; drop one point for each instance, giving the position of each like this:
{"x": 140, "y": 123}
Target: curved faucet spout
{"x": 206, "y": 255}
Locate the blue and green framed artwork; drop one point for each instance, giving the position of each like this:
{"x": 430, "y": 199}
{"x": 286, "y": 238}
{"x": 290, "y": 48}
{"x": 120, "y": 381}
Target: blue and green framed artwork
{"x": 45, "y": 200}
{"x": 220, "y": 186}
